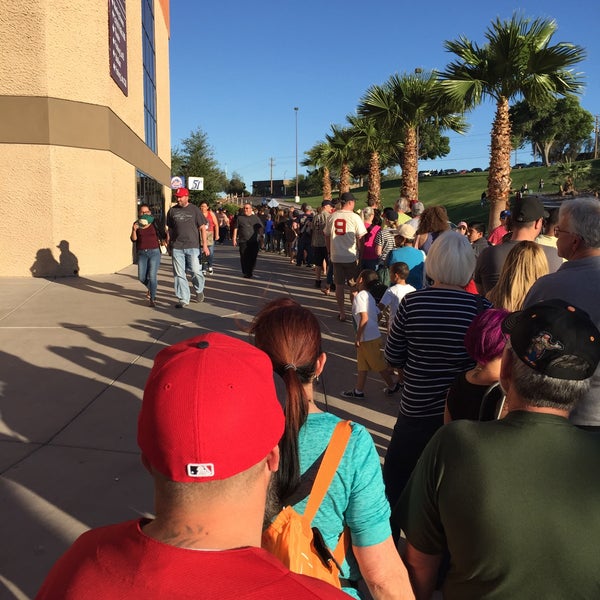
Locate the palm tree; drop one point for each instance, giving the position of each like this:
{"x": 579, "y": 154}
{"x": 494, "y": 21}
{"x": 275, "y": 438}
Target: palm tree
{"x": 319, "y": 156}
{"x": 378, "y": 145}
{"x": 404, "y": 103}
{"x": 516, "y": 61}
{"x": 340, "y": 147}
{"x": 566, "y": 173}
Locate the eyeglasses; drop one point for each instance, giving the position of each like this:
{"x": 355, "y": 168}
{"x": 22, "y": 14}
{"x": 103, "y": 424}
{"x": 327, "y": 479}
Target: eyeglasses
{"x": 557, "y": 230}
{"x": 146, "y": 213}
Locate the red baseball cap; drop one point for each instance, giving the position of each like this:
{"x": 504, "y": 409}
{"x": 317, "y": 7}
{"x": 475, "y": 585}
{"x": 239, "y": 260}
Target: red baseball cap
{"x": 210, "y": 409}
{"x": 180, "y": 192}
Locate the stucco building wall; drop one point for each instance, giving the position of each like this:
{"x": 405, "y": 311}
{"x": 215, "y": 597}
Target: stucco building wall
{"x": 70, "y": 140}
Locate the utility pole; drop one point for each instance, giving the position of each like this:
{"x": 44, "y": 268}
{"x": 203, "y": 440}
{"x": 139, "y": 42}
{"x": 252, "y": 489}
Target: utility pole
{"x": 596, "y": 138}
{"x": 271, "y": 164}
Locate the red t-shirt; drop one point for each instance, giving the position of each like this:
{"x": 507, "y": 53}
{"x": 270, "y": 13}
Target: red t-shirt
{"x": 471, "y": 287}
{"x": 120, "y": 561}
{"x": 497, "y": 235}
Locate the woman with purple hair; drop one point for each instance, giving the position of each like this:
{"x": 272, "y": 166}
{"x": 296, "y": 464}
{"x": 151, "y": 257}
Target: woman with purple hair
{"x": 484, "y": 343}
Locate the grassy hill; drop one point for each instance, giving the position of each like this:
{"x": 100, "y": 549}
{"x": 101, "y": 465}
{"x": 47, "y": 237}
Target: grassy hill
{"x": 461, "y": 194}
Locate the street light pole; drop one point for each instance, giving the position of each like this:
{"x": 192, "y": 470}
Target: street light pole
{"x": 297, "y": 198}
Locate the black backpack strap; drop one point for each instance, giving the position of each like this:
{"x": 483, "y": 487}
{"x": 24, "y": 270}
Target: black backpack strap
{"x": 306, "y": 482}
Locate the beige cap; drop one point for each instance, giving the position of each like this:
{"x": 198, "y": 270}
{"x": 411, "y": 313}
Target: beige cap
{"x": 407, "y": 231}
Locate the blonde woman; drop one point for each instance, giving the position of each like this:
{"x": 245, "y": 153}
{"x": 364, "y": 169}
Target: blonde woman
{"x": 523, "y": 266}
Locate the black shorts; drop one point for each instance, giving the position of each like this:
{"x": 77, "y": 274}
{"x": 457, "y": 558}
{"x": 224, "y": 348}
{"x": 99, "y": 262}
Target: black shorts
{"x": 319, "y": 254}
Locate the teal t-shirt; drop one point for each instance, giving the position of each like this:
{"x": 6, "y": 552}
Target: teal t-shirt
{"x": 356, "y": 496}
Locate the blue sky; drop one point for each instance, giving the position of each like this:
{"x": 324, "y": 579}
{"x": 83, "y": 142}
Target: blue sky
{"x": 239, "y": 68}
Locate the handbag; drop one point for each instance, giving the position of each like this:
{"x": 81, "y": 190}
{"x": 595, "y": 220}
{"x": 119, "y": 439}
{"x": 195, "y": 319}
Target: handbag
{"x": 162, "y": 242}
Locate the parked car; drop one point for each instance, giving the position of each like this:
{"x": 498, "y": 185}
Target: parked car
{"x": 536, "y": 163}
{"x": 424, "y": 173}
{"x": 520, "y": 166}
{"x": 449, "y": 172}
{"x": 476, "y": 170}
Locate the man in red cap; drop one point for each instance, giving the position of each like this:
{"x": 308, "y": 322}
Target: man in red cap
{"x": 211, "y": 445}
{"x": 186, "y": 232}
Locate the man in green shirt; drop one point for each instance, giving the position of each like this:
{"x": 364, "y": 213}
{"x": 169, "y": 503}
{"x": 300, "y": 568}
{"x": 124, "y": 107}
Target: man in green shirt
{"x": 515, "y": 503}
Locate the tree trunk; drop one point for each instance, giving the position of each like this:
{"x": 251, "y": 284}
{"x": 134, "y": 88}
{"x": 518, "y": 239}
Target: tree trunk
{"x": 499, "y": 180}
{"x": 410, "y": 166}
{"x": 547, "y": 148}
{"x": 344, "y": 178}
{"x": 326, "y": 184}
{"x": 374, "y": 193}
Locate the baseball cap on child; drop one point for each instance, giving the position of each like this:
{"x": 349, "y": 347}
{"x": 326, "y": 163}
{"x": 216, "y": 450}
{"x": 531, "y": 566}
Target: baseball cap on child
{"x": 210, "y": 410}
{"x": 556, "y": 339}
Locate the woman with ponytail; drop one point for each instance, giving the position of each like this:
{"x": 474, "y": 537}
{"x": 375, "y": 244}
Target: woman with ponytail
{"x": 291, "y": 336}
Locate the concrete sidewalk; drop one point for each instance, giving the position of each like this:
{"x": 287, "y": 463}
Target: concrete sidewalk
{"x": 75, "y": 355}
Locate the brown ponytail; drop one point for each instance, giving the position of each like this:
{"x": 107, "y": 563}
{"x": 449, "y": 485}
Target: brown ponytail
{"x": 291, "y": 336}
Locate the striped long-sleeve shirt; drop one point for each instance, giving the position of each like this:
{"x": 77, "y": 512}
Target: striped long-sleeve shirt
{"x": 427, "y": 340}
{"x": 386, "y": 239}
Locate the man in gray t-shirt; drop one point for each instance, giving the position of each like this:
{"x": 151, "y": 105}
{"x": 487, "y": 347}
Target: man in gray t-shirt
{"x": 186, "y": 232}
{"x": 527, "y": 220}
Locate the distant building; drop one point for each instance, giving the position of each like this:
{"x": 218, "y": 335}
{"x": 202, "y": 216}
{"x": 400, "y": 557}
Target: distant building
{"x": 84, "y": 131}
{"x": 281, "y": 187}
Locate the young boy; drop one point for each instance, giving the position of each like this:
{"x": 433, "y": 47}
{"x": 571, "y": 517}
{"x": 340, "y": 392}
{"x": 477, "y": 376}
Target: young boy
{"x": 368, "y": 339}
{"x": 398, "y": 274}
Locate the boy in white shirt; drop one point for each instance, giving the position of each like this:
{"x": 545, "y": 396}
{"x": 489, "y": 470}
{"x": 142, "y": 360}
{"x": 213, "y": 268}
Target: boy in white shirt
{"x": 368, "y": 338}
{"x": 391, "y": 298}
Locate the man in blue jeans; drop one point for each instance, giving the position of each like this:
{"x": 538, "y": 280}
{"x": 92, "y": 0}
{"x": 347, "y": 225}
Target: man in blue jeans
{"x": 186, "y": 227}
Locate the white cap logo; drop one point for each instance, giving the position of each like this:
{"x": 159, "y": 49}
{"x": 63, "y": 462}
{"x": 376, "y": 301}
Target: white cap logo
{"x": 201, "y": 470}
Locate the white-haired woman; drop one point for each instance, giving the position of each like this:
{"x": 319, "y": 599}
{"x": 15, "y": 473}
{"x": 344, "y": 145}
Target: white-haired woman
{"x": 426, "y": 344}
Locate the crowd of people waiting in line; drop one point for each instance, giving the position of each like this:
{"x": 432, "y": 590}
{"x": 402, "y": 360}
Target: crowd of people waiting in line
{"x": 506, "y": 508}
